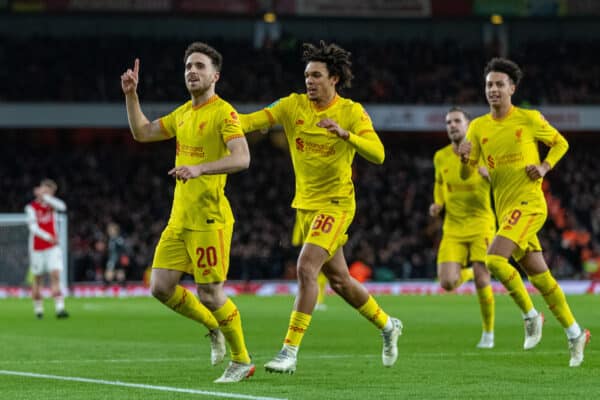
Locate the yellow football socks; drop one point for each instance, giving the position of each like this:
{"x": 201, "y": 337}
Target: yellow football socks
{"x": 466, "y": 274}
{"x": 322, "y": 282}
{"x": 486, "y": 305}
{"x": 230, "y": 323}
{"x": 371, "y": 311}
{"x": 554, "y": 297}
{"x": 511, "y": 279}
{"x": 298, "y": 325}
{"x": 185, "y": 303}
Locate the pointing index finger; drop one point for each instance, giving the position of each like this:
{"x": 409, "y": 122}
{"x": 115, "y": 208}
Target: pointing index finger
{"x": 136, "y": 66}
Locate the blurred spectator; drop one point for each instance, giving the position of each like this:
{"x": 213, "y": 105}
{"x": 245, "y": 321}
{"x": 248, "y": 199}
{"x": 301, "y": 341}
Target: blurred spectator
{"x": 117, "y": 259}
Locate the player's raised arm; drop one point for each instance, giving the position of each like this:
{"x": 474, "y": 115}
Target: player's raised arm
{"x": 141, "y": 128}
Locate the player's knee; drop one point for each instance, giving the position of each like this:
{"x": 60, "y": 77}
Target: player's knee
{"x": 449, "y": 284}
{"x": 307, "y": 274}
{"x": 339, "y": 284}
{"x": 161, "y": 291}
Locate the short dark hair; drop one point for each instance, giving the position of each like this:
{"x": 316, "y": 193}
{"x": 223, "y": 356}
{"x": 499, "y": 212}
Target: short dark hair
{"x": 506, "y": 66}
{"x": 336, "y": 58}
{"x": 460, "y": 110}
{"x": 210, "y": 52}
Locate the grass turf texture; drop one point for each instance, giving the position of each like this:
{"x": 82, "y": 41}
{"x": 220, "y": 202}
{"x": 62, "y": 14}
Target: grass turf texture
{"x": 139, "y": 341}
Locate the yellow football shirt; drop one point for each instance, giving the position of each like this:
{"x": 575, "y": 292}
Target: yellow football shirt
{"x": 467, "y": 202}
{"x": 322, "y": 161}
{"x": 202, "y": 133}
{"x": 506, "y": 146}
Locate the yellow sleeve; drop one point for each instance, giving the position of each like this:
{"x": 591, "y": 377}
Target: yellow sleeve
{"x": 473, "y": 138}
{"x": 273, "y": 114}
{"x": 168, "y": 124}
{"x": 547, "y": 134}
{"x": 438, "y": 184}
{"x": 369, "y": 146}
{"x": 232, "y": 127}
{"x": 363, "y": 137}
{"x": 257, "y": 120}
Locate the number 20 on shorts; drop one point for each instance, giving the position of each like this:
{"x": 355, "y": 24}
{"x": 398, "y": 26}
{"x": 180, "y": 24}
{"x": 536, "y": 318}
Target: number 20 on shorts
{"x": 207, "y": 257}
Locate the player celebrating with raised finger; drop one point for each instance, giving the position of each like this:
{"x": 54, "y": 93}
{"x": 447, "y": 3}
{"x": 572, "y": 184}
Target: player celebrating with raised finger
{"x": 210, "y": 144}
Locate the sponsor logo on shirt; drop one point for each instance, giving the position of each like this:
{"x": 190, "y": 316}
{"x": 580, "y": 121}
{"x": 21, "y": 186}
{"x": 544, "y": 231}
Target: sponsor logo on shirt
{"x": 187, "y": 150}
{"x": 315, "y": 148}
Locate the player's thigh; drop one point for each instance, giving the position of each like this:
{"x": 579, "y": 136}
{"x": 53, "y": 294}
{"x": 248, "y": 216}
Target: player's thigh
{"x": 209, "y": 252}
{"x": 453, "y": 250}
{"x": 54, "y": 259}
{"x": 326, "y": 228}
{"x": 171, "y": 252}
{"x": 478, "y": 247}
{"x": 37, "y": 263}
{"x": 521, "y": 225}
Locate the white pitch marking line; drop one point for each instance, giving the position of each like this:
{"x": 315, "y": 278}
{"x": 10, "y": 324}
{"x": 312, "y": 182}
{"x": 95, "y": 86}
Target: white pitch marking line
{"x": 139, "y": 386}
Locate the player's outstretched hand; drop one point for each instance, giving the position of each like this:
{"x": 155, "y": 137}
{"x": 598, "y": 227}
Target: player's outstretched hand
{"x": 130, "y": 78}
{"x": 435, "y": 209}
{"x": 464, "y": 150}
{"x": 185, "y": 172}
{"x": 535, "y": 172}
{"x": 333, "y": 127}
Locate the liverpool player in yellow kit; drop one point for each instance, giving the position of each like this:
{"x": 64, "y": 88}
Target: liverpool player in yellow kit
{"x": 209, "y": 145}
{"x": 324, "y": 131}
{"x": 506, "y": 140}
{"x": 469, "y": 222}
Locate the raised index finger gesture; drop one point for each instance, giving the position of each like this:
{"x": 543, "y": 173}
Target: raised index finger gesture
{"x": 129, "y": 79}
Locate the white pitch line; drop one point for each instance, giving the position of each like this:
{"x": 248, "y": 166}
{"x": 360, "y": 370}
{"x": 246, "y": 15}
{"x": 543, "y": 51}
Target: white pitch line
{"x": 139, "y": 386}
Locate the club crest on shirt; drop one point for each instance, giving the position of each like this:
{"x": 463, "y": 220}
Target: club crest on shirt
{"x": 484, "y": 140}
{"x": 299, "y": 144}
{"x": 518, "y": 134}
{"x": 490, "y": 162}
{"x": 201, "y": 127}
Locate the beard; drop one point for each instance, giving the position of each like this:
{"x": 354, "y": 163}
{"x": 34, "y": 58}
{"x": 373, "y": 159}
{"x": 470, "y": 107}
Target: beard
{"x": 199, "y": 89}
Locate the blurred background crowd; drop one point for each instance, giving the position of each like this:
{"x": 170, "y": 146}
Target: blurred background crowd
{"x": 106, "y": 177}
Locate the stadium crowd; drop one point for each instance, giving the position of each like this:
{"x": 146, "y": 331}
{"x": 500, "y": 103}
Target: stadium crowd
{"x": 106, "y": 177}
{"x": 407, "y": 72}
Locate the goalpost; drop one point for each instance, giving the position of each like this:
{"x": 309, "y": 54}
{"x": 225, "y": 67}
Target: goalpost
{"x": 14, "y": 249}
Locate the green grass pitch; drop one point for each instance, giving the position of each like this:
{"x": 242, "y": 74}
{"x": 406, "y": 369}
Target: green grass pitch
{"x": 113, "y": 342}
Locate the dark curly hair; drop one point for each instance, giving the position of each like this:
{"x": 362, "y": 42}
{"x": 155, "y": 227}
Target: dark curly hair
{"x": 506, "y": 66}
{"x": 336, "y": 58}
{"x": 199, "y": 47}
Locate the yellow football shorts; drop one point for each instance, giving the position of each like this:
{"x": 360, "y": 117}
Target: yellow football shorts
{"x": 204, "y": 254}
{"x": 521, "y": 226}
{"x": 464, "y": 252}
{"x": 325, "y": 228}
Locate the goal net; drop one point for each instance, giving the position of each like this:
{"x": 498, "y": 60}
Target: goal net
{"x": 14, "y": 249}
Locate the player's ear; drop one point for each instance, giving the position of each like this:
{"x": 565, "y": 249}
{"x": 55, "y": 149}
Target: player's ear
{"x": 216, "y": 76}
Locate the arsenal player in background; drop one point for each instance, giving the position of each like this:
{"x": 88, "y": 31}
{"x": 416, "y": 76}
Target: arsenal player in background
{"x": 45, "y": 254}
